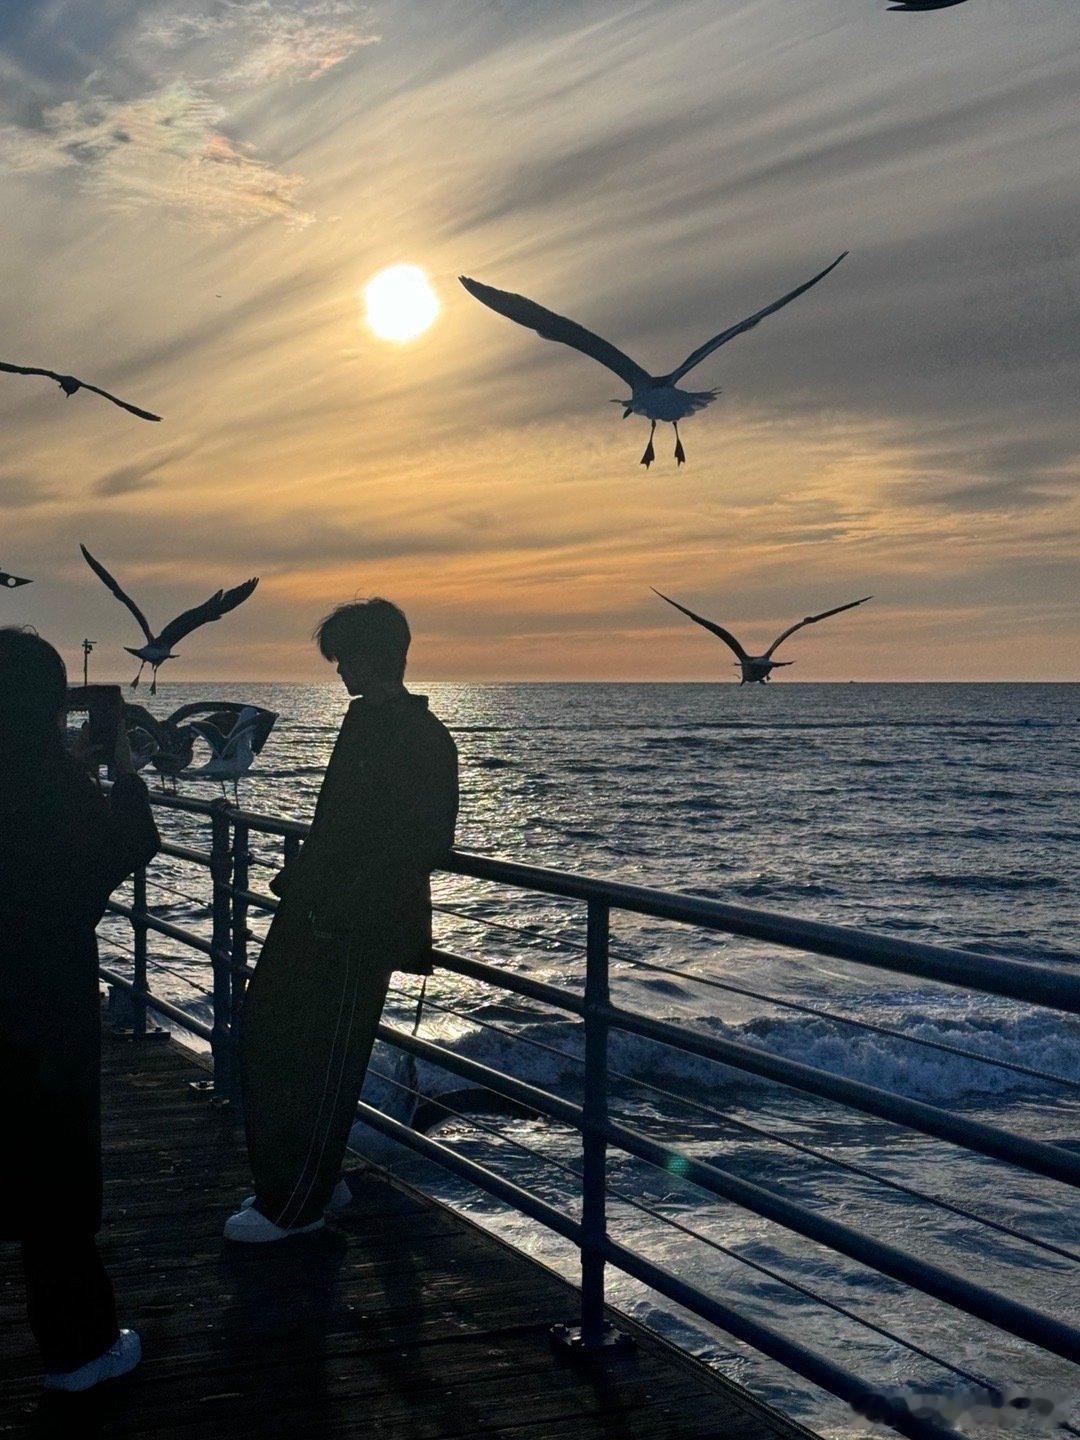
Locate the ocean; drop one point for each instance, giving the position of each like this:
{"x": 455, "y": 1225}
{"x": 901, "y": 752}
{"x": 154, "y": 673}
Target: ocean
{"x": 945, "y": 813}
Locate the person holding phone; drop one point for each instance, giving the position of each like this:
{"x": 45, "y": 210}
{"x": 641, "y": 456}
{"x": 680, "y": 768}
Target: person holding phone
{"x": 64, "y": 847}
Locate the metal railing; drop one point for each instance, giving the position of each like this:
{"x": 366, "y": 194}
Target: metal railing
{"x": 229, "y": 859}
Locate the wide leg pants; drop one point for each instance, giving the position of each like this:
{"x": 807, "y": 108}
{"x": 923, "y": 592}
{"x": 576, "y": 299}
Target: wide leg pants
{"x": 307, "y": 1030}
{"x": 69, "y": 1300}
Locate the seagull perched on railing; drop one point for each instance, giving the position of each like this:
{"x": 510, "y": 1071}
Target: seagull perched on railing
{"x": 235, "y": 735}
{"x": 12, "y": 582}
{"x": 657, "y": 397}
{"x": 69, "y": 385}
{"x": 158, "y": 648}
{"x": 756, "y": 668}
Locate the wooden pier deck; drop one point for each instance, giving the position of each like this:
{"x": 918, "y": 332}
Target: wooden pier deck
{"x": 403, "y": 1320}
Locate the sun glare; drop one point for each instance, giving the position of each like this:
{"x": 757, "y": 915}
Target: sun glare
{"x": 400, "y": 303}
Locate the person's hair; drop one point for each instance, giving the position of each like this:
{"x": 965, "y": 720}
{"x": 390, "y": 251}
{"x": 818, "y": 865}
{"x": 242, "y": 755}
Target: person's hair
{"x": 33, "y": 693}
{"x": 376, "y": 627}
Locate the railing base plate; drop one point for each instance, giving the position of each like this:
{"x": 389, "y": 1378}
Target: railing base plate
{"x": 152, "y": 1032}
{"x": 204, "y": 1090}
{"x": 611, "y": 1342}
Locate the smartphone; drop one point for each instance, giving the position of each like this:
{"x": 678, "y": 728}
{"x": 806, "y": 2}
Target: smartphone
{"x": 94, "y": 741}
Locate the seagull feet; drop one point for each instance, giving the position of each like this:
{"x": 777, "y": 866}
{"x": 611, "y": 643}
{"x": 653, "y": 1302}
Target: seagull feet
{"x": 680, "y": 453}
{"x": 649, "y": 456}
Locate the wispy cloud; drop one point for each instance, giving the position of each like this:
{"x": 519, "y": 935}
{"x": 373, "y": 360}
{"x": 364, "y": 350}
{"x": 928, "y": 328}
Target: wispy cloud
{"x": 154, "y": 123}
{"x": 165, "y": 150}
{"x": 257, "y": 42}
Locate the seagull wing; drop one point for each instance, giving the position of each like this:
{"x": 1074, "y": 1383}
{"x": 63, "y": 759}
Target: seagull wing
{"x": 55, "y": 375}
{"x": 724, "y": 635}
{"x": 550, "y": 326}
{"x": 205, "y": 707}
{"x": 28, "y": 370}
{"x": 12, "y": 582}
{"x": 211, "y": 734}
{"x": 748, "y": 324}
{"x": 812, "y": 620}
{"x": 125, "y": 599}
{"x": 124, "y": 405}
{"x": 219, "y": 604}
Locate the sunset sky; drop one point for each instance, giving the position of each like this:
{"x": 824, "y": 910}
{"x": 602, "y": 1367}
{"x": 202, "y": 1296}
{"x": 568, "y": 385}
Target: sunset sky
{"x": 193, "y": 195}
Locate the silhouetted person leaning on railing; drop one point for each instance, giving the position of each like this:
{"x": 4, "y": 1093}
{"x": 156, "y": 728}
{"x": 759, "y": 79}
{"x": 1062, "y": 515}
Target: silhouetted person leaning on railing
{"x": 355, "y": 906}
{"x": 63, "y": 848}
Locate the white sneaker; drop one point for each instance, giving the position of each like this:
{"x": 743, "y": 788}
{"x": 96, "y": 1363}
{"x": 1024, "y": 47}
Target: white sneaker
{"x": 251, "y": 1227}
{"x": 121, "y": 1357}
{"x": 341, "y": 1199}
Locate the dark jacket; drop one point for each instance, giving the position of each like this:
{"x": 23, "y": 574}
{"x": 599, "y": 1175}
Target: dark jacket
{"x": 384, "y": 819}
{"x": 64, "y": 848}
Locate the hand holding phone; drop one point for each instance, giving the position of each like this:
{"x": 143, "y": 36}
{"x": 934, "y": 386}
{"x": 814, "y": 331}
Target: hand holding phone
{"x": 101, "y": 739}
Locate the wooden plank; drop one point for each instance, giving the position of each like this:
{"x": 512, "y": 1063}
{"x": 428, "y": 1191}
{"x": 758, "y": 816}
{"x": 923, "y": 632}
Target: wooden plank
{"x": 401, "y": 1320}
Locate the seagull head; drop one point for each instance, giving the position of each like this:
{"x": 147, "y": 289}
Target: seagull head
{"x": 69, "y": 384}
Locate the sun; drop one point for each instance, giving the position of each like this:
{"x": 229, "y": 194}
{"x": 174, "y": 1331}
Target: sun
{"x": 400, "y": 303}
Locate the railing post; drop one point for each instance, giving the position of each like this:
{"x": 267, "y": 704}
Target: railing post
{"x": 138, "y": 940}
{"x": 241, "y": 861}
{"x": 594, "y": 1333}
{"x": 221, "y": 956}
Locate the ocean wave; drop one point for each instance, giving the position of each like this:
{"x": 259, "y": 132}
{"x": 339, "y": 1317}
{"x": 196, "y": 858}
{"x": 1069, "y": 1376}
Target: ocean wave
{"x": 1039, "y": 1042}
{"x": 984, "y": 883}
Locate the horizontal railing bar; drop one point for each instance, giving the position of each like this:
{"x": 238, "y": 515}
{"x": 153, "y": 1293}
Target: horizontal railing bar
{"x": 184, "y": 852}
{"x": 1021, "y": 980}
{"x": 1044, "y": 1159}
{"x": 922, "y": 1275}
{"x": 169, "y": 801}
{"x": 773, "y": 1137}
{"x": 721, "y": 1117}
{"x": 694, "y": 977}
{"x": 697, "y": 1235}
{"x": 804, "y": 1362}
{"x": 510, "y": 980}
{"x": 163, "y": 927}
{"x": 532, "y": 1097}
{"x": 787, "y": 1352}
{"x": 266, "y": 824}
{"x": 156, "y": 964}
{"x": 1036, "y": 1155}
{"x": 479, "y": 1175}
{"x": 472, "y": 969}
{"x": 163, "y": 1007}
{"x": 254, "y": 897}
{"x": 996, "y": 1309}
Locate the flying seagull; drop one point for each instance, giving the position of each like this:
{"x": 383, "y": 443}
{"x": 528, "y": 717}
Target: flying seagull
{"x": 914, "y": 6}
{"x": 756, "y": 668}
{"x": 12, "y": 582}
{"x": 69, "y": 385}
{"x": 657, "y": 397}
{"x": 158, "y": 648}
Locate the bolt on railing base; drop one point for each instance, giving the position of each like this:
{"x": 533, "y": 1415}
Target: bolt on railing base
{"x": 571, "y": 1340}
{"x": 129, "y": 1033}
{"x": 122, "y": 1019}
{"x": 204, "y": 1090}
